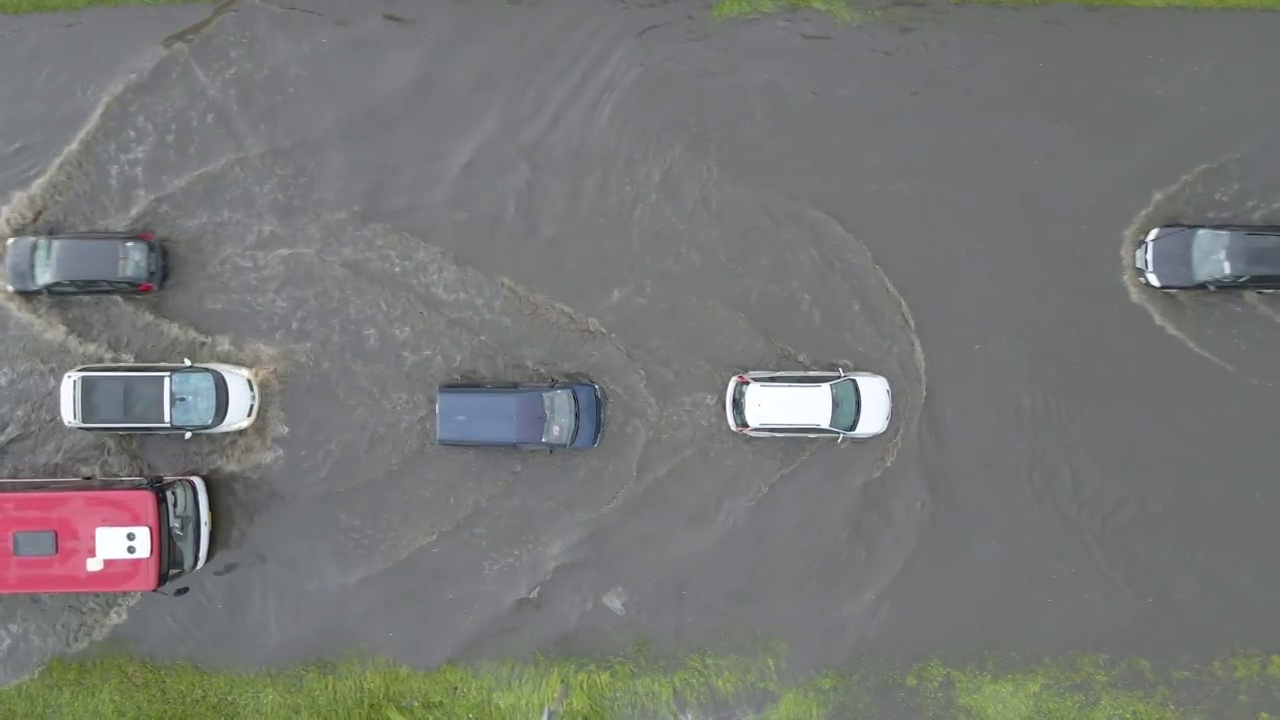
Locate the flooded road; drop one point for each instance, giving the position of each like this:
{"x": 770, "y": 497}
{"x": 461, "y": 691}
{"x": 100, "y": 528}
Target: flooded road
{"x": 365, "y": 204}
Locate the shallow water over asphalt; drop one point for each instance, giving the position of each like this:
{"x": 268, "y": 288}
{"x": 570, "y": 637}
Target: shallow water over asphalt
{"x": 365, "y": 204}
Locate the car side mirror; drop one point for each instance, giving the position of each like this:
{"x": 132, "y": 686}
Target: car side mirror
{"x": 187, "y": 435}
{"x": 186, "y": 361}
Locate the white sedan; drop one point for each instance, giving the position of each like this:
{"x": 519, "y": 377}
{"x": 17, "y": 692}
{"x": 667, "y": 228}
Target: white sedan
{"x": 836, "y": 404}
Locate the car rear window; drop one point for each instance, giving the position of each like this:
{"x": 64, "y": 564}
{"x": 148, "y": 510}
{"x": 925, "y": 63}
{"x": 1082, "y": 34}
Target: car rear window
{"x": 42, "y": 262}
{"x": 739, "y": 407}
{"x": 122, "y": 400}
{"x": 135, "y": 260}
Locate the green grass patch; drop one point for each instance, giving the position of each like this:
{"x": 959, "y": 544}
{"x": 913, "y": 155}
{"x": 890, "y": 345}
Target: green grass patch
{"x": 1082, "y": 688}
{"x": 633, "y": 687}
{"x": 26, "y": 7}
{"x": 730, "y": 9}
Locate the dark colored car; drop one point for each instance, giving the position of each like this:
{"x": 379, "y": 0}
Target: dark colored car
{"x": 1209, "y": 257}
{"x": 526, "y": 416}
{"x": 84, "y": 264}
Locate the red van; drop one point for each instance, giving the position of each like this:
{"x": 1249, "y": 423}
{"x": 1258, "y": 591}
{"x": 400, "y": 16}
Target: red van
{"x": 92, "y": 535}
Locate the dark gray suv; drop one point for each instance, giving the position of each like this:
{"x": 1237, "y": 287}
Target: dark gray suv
{"x": 519, "y": 415}
{"x": 1210, "y": 257}
{"x": 91, "y": 263}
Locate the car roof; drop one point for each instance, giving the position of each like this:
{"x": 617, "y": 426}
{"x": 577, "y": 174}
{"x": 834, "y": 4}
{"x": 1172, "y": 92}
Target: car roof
{"x": 1257, "y": 252}
{"x": 123, "y": 399}
{"x": 131, "y": 368}
{"x": 778, "y": 404}
{"x": 490, "y": 415}
{"x": 47, "y": 537}
{"x": 87, "y": 258}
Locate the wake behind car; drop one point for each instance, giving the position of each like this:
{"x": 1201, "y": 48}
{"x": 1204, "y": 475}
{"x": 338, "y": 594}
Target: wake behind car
{"x": 820, "y": 403}
{"x": 92, "y": 263}
{"x": 1209, "y": 257}
{"x": 520, "y": 415}
{"x": 165, "y": 398}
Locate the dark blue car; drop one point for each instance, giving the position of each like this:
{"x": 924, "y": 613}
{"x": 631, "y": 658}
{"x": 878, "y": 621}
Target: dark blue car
{"x": 526, "y": 416}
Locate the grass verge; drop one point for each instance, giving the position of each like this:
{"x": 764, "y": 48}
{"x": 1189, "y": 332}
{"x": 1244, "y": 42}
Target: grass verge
{"x": 731, "y": 9}
{"x": 1084, "y": 688}
{"x": 1081, "y": 689}
{"x": 845, "y": 10}
{"x": 634, "y": 687}
{"x": 26, "y": 7}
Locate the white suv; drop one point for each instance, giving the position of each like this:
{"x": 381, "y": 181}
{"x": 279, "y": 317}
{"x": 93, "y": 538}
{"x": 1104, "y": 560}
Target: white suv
{"x": 141, "y": 398}
{"x": 809, "y": 404}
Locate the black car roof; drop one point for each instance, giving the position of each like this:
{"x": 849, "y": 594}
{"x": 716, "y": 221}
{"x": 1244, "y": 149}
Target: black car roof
{"x": 489, "y": 415}
{"x": 1258, "y": 253}
{"x": 86, "y": 258}
{"x": 122, "y": 400}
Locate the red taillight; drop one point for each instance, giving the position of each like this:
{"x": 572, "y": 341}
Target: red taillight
{"x": 742, "y": 379}
{"x": 146, "y": 236}
{"x": 146, "y": 287}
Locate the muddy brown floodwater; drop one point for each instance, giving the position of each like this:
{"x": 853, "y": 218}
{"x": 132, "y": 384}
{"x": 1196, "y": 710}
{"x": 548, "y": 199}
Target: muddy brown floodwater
{"x": 364, "y": 202}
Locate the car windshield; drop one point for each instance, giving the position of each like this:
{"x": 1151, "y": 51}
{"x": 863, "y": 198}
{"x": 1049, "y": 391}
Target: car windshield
{"x": 193, "y": 398}
{"x": 1209, "y": 259}
{"x": 183, "y": 542}
{"x": 42, "y": 262}
{"x": 562, "y": 417}
{"x": 845, "y": 405}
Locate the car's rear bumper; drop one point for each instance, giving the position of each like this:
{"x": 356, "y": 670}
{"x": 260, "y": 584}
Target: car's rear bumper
{"x": 161, "y": 274}
{"x": 67, "y": 399}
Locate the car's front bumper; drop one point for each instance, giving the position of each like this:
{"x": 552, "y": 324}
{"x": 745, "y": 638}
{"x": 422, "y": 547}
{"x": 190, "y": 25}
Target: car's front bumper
{"x": 1142, "y": 261}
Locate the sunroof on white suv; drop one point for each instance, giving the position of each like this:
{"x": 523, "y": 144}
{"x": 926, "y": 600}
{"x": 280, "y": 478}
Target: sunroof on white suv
{"x": 185, "y": 398}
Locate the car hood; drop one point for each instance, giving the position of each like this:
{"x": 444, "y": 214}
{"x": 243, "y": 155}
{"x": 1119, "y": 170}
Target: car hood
{"x": 242, "y": 399}
{"x": 877, "y": 405}
{"x": 18, "y": 272}
{"x": 1170, "y": 257}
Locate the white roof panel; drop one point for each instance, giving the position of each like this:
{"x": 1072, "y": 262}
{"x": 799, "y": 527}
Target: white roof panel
{"x": 805, "y": 405}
